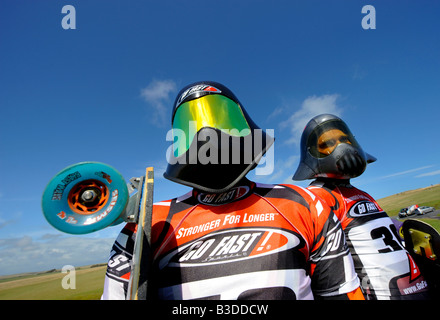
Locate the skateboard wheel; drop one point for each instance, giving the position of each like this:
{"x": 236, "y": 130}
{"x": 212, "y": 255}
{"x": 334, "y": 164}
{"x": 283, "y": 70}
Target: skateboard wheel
{"x": 85, "y": 197}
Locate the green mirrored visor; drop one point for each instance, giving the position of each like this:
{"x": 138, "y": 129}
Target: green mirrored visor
{"x": 212, "y": 111}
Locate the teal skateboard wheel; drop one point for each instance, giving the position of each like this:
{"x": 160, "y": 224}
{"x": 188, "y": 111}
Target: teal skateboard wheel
{"x": 85, "y": 197}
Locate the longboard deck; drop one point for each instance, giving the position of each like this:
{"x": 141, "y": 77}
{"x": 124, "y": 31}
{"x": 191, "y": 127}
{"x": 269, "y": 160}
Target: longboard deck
{"x": 141, "y": 263}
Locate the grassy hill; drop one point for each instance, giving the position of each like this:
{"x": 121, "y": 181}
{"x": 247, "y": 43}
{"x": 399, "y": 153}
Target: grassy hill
{"x": 429, "y": 196}
{"x": 48, "y": 285}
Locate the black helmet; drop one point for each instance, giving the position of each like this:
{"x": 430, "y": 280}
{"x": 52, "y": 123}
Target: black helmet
{"x": 329, "y": 149}
{"x": 216, "y": 143}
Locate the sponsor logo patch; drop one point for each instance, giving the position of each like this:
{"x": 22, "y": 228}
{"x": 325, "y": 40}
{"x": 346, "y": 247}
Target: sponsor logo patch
{"x": 217, "y": 199}
{"x": 363, "y": 208}
{"x": 59, "y": 190}
{"x": 196, "y": 89}
{"x": 231, "y": 245}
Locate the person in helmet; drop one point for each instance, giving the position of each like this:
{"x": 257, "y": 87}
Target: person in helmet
{"x": 329, "y": 150}
{"x": 331, "y": 155}
{"x": 229, "y": 237}
{"x": 217, "y": 142}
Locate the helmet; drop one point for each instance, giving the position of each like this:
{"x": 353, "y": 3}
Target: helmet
{"x": 329, "y": 149}
{"x": 216, "y": 143}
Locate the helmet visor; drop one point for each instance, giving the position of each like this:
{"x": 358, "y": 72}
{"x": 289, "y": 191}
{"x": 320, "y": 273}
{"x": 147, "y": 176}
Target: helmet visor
{"x": 213, "y": 111}
{"x": 327, "y": 136}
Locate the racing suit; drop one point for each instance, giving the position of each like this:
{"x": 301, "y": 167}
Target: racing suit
{"x": 385, "y": 268}
{"x": 252, "y": 242}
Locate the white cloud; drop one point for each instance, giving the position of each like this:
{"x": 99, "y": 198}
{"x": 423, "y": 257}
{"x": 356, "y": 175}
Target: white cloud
{"x": 400, "y": 173}
{"x": 428, "y": 174}
{"x": 4, "y": 223}
{"x": 406, "y": 172}
{"x": 359, "y": 73}
{"x": 12, "y": 218}
{"x": 157, "y": 95}
{"x": 25, "y": 254}
{"x": 283, "y": 171}
{"x": 312, "y": 106}
{"x": 277, "y": 111}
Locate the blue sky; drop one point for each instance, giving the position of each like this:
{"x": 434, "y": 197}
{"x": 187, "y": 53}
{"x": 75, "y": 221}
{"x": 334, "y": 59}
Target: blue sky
{"x": 104, "y": 92}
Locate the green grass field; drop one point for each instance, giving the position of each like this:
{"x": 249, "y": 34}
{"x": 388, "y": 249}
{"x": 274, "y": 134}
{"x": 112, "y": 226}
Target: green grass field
{"x": 90, "y": 280}
{"x": 89, "y": 284}
{"x": 429, "y": 196}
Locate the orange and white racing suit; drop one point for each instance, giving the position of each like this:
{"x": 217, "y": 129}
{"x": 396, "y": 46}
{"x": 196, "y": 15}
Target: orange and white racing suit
{"x": 385, "y": 268}
{"x": 252, "y": 242}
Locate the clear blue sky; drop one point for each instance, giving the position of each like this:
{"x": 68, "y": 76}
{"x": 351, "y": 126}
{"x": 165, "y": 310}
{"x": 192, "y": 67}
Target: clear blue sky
{"x": 104, "y": 92}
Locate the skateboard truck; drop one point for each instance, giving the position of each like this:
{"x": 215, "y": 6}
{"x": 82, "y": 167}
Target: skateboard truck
{"x": 422, "y": 244}
{"x": 131, "y": 214}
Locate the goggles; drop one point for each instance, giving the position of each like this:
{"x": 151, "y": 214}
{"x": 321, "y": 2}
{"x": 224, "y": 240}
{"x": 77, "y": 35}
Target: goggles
{"x": 213, "y": 111}
{"x": 327, "y": 136}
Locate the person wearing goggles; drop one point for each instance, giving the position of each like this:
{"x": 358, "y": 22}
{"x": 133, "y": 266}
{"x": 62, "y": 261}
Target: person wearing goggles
{"x": 215, "y": 142}
{"x": 229, "y": 237}
{"x": 331, "y": 155}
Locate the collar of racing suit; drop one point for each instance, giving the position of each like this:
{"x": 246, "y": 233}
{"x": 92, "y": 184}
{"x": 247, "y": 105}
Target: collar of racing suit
{"x": 331, "y": 181}
{"x": 240, "y": 191}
